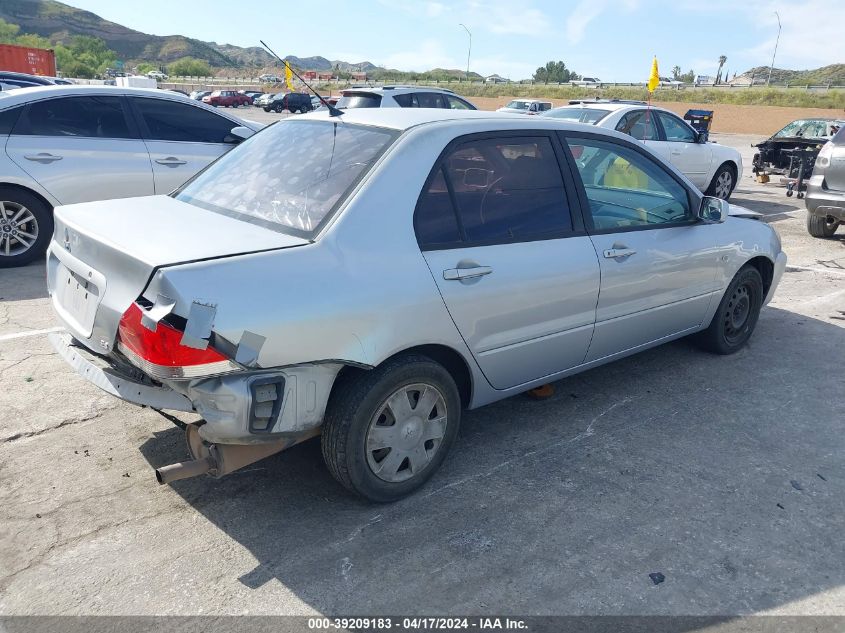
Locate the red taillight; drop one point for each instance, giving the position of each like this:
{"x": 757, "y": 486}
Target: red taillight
{"x": 161, "y": 354}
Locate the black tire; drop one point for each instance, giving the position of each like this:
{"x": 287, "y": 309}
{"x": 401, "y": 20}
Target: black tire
{"x": 717, "y": 185}
{"x": 41, "y": 223}
{"x": 821, "y": 226}
{"x": 266, "y": 109}
{"x": 351, "y": 412}
{"x": 737, "y": 315}
{"x": 278, "y": 109}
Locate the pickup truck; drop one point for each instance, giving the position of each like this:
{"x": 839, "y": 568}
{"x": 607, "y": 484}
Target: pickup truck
{"x": 227, "y": 98}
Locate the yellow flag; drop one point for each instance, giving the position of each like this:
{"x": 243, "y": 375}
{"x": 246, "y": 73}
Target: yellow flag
{"x": 654, "y": 78}
{"x": 289, "y": 76}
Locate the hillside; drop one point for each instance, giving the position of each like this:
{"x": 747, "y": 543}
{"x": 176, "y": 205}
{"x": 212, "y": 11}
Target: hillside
{"x": 58, "y": 21}
{"x": 833, "y": 74}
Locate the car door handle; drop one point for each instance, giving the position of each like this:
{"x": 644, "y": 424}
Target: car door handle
{"x": 459, "y": 274}
{"x": 614, "y": 253}
{"x": 170, "y": 161}
{"x": 43, "y": 158}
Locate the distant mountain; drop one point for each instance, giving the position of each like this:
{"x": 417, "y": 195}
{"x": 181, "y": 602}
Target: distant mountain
{"x": 59, "y": 21}
{"x": 833, "y": 74}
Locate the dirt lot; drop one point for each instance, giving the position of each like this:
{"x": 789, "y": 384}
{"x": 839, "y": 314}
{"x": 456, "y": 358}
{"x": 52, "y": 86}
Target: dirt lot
{"x": 727, "y": 118}
{"x": 724, "y": 474}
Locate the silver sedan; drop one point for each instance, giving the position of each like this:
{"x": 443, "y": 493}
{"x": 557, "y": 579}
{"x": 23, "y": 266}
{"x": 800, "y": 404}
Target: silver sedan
{"x": 369, "y": 276}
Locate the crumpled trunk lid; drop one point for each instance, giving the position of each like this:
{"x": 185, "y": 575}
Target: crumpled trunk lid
{"x": 103, "y": 254}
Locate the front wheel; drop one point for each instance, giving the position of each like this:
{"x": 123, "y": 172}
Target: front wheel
{"x": 821, "y": 225}
{"x": 278, "y": 109}
{"x": 737, "y": 315}
{"x": 723, "y": 182}
{"x": 26, "y": 224}
{"x": 387, "y": 430}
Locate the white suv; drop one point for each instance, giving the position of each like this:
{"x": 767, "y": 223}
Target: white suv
{"x": 402, "y": 97}
{"x": 713, "y": 168}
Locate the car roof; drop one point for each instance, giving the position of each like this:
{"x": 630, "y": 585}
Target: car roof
{"x": 396, "y": 90}
{"x": 24, "y": 95}
{"x": 529, "y": 100}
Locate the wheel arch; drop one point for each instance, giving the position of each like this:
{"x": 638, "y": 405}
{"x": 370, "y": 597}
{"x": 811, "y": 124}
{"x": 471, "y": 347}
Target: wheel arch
{"x": 29, "y": 190}
{"x": 766, "y": 268}
{"x": 444, "y": 355}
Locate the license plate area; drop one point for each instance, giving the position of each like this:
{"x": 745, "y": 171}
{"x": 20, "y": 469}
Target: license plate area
{"x": 77, "y": 298}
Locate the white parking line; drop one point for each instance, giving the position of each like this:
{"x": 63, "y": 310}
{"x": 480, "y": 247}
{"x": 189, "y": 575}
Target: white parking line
{"x": 14, "y": 335}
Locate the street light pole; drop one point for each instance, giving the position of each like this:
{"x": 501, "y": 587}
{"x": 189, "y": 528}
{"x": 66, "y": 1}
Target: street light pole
{"x": 469, "y": 50}
{"x": 777, "y": 41}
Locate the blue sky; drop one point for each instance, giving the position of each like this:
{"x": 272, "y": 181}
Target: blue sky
{"x": 610, "y": 39}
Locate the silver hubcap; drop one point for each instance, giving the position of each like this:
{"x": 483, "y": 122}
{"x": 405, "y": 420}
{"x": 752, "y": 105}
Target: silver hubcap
{"x": 723, "y": 185}
{"x": 406, "y": 432}
{"x": 18, "y": 229}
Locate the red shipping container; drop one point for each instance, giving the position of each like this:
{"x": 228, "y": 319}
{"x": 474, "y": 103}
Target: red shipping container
{"x": 22, "y": 59}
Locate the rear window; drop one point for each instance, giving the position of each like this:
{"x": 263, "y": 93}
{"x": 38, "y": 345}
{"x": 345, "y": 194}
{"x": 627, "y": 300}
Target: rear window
{"x": 581, "y": 115}
{"x": 291, "y": 176}
{"x": 359, "y": 100}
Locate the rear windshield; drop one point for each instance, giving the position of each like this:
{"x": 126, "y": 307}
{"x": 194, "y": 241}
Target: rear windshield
{"x": 582, "y": 115}
{"x": 291, "y": 176}
{"x": 359, "y": 100}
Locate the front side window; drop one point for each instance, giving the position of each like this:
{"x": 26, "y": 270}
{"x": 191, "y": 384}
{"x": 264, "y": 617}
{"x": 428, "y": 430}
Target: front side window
{"x": 675, "y": 129}
{"x": 498, "y": 190}
{"x": 626, "y": 189}
{"x": 427, "y": 100}
{"x": 92, "y": 117}
{"x": 296, "y": 175}
{"x": 640, "y": 124}
{"x": 173, "y": 121}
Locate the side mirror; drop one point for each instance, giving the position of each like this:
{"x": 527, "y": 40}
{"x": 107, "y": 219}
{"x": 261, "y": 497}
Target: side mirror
{"x": 701, "y": 137}
{"x": 713, "y": 210}
{"x": 238, "y": 134}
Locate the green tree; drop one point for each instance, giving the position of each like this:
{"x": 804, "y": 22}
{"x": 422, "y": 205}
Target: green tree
{"x": 722, "y": 60}
{"x": 8, "y": 32}
{"x": 144, "y": 68}
{"x": 676, "y": 72}
{"x": 189, "y": 67}
{"x": 688, "y": 77}
{"x": 555, "y": 72}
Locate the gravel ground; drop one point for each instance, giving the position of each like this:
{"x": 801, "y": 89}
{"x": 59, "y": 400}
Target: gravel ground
{"x": 723, "y": 474}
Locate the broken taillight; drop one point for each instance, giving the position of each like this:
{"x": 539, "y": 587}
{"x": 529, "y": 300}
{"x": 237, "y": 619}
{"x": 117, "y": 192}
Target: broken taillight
{"x": 160, "y": 354}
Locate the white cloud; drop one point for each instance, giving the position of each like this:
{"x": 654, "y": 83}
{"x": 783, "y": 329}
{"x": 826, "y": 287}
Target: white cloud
{"x": 505, "y": 17}
{"x": 434, "y": 9}
{"x": 588, "y": 10}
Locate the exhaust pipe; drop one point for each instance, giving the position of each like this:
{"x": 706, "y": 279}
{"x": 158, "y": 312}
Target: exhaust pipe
{"x": 221, "y": 459}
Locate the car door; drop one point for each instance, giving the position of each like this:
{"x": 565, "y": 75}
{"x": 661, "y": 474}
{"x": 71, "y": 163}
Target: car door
{"x": 81, "y": 148}
{"x": 516, "y": 271}
{"x": 642, "y": 125}
{"x": 691, "y": 158}
{"x": 181, "y": 138}
{"x": 658, "y": 263}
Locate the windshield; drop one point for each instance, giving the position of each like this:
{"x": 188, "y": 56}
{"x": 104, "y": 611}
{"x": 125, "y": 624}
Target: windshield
{"x": 359, "y": 100}
{"x": 291, "y": 176}
{"x": 518, "y": 105}
{"x": 582, "y": 115}
{"x": 806, "y": 128}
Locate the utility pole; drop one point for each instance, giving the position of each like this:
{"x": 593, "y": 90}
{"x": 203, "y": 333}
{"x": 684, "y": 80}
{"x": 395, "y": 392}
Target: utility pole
{"x": 469, "y": 50}
{"x": 777, "y": 41}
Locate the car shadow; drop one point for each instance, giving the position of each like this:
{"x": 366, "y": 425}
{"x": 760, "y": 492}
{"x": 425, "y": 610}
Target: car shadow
{"x": 24, "y": 283}
{"x": 722, "y": 476}
{"x": 766, "y": 203}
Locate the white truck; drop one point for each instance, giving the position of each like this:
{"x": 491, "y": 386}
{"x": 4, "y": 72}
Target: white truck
{"x": 135, "y": 81}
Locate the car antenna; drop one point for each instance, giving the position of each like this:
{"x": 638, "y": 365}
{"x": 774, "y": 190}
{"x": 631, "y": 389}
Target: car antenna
{"x": 333, "y": 111}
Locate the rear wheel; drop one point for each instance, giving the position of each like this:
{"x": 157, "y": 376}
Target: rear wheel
{"x": 821, "y": 225}
{"x": 386, "y": 431}
{"x": 278, "y": 109}
{"x": 26, "y": 224}
{"x": 723, "y": 183}
{"x": 737, "y": 315}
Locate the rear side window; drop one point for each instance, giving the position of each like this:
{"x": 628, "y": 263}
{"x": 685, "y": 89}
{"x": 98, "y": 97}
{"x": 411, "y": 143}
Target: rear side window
{"x": 458, "y": 104}
{"x": 91, "y": 117}
{"x": 428, "y": 100}
{"x": 640, "y": 124}
{"x": 500, "y": 190}
{"x": 581, "y": 115}
{"x": 8, "y": 118}
{"x": 174, "y": 121}
{"x": 359, "y": 100}
{"x": 675, "y": 129}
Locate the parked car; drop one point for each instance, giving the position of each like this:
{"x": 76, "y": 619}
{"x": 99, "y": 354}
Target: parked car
{"x": 290, "y": 101}
{"x": 11, "y": 80}
{"x": 198, "y": 95}
{"x": 825, "y": 197}
{"x": 226, "y": 99}
{"x": 774, "y": 154}
{"x": 526, "y": 106}
{"x": 713, "y": 168}
{"x": 266, "y": 78}
{"x": 157, "y": 75}
{"x": 402, "y": 97}
{"x": 69, "y": 144}
{"x": 408, "y": 264}
{"x": 666, "y": 81}
{"x": 252, "y": 94}
{"x": 586, "y": 81}
{"x": 264, "y": 100}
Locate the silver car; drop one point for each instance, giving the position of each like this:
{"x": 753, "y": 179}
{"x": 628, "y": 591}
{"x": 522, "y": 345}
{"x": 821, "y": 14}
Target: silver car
{"x": 68, "y": 144}
{"x": 825, "y": 197}
{"x": 369, "y": 276}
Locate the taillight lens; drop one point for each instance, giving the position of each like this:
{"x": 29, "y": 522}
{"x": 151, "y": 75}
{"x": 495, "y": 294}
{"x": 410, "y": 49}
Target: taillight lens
{"x": 161, "y": 355}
